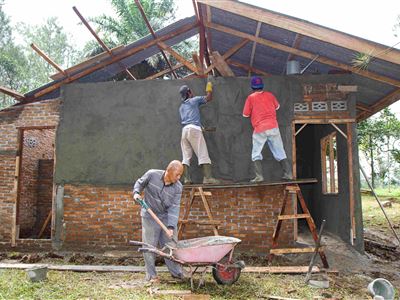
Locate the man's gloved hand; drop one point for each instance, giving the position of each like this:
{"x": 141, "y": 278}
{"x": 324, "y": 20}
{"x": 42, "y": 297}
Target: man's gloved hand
{"x": 136, "y": 196}
{"x": 209, "y": 87}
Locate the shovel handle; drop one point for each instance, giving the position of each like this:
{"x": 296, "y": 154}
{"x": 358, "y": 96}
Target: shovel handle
{"x": 154, "y": 216}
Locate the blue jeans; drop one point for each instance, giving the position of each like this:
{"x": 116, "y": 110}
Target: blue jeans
{"x": 273, "y": 137}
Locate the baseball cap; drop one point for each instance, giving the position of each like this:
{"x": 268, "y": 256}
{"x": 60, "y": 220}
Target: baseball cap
{"x": 256, "y": 82}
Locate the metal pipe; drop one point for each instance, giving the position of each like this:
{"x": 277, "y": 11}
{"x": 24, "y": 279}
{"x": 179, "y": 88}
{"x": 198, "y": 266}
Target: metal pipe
{"x": 380, "y": 204}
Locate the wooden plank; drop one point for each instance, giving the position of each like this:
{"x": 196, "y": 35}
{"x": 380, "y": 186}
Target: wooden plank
{"x": 114, "y": 59}
{"x": 293, "y": 250}
{"x": 351, "y": 177}
{"x": 12, "y": 93}
{"x": 229, "y": 53}
{"x": 323, "y": 165}
{"x": 90, "y": 61}
{"x": 363, "y": 107}
{"x": 323, "y": 121}
{"x": 295, "y": 216}
{"x": 48, "y": 59}
{"x": 166, "y": 71}
{"x": 139, "y": 6}
{"x": 379, "y": 105}
{"x": 204, "y": 193}
{"x": 246, "y": 67}
{"x": 347, "y": 88}
{"x": 280, "y": 269}
{"x": 45, "y": 224}
{"x": 221, "y": 65}
{"x": 253, "y": 50}
{"x": 198, "y": 63}
{"x": 306, "y": 54}
{"x": 332, "y": 164}
{"x": 306, "y": 28}
{"x": 201, "y": 222}
{"x": 178, "y": 57}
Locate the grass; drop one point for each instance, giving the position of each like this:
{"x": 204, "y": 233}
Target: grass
{"x": 372, "y": 214}
{"x": 72, "y": 285}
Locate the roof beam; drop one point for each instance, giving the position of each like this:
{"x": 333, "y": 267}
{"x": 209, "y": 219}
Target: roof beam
{"x": 48, "y": 59}
{"x": 253, "y": 50}
{"x": 114, "y": 59}
{"x": 296, "y": 44}
{"x": 306, "y": 28}
{"x": 305, "y": 54}
{"x": 246, "y": 67}
{"x": 178, "y": 57}
{"x": 98, "y": 39}
{"x": 153, "y": 34}
{"x": 229, "y": 53}
{"x": 166, "y": 71}
{"x": 382, "y": 103}
{"x": 220, "y": 64}
{"x": 12, "y": 93}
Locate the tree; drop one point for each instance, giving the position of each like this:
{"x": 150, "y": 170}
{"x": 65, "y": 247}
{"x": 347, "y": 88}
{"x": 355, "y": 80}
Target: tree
{"x": 52, "y": 40}
{"x": 379, "y": 140}
{"x": 129, "y": 26}
{"x": 12, "y": 61}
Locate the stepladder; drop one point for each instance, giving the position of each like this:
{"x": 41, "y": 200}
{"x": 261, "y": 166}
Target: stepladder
{"x": 295, "y": 191}
{"x": 195, "y": 193}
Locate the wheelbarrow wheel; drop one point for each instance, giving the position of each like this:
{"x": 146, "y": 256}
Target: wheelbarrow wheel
{"x": 226, "y": 275}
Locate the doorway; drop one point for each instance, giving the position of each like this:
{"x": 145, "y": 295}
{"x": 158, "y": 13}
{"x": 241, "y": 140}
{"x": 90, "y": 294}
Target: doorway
{"x": 35, "y": 168}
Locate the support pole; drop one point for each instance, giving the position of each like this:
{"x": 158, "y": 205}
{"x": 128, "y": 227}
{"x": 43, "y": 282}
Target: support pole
{"x": 380, "y": 204}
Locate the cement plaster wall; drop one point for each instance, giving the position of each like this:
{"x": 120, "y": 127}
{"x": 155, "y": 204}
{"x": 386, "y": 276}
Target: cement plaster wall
{"x": 111, "y": 133}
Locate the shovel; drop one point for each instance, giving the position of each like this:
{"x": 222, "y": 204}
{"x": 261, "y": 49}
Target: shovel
{"x": 154, "y": 216}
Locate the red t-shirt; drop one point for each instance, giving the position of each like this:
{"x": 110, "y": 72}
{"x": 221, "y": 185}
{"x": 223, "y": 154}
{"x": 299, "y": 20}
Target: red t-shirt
{"x": 261, "y": 108}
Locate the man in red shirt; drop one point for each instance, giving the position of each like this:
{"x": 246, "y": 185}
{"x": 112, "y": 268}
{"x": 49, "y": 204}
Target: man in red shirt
{"x": 261, "y": 107}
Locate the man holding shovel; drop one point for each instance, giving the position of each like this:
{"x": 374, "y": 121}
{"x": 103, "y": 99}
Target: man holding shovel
{"x": 163, "y": 192}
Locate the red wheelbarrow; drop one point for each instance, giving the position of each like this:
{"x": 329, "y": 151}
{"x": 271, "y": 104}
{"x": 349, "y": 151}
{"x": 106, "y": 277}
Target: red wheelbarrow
{"x": 209, "y": 251}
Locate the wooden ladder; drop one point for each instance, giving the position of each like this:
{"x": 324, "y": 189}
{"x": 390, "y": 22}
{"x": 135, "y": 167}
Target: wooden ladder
{"x": 294, "y": 189}
{"x": 188, "y": 205}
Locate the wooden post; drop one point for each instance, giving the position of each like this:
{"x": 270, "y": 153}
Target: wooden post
{"x": 351, "y": 179}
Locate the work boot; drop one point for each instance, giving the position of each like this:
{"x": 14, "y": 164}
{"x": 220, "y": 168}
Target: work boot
{"x": 208, "y": 179}
{"x": 186, "y": 175}
{"x": 258, "y": 171}
{"x": 287, "y": 169}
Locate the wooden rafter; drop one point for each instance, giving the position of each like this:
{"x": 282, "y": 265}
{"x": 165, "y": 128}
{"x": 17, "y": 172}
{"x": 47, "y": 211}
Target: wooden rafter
{"x": 166, "y": 71}
{"x": 114, "y": 59}
{"x": 363, "y": 107}
{"x": 139, "y": 6}
{"x": 219, "y": 62}
{"x": 305, "y": 54}
{"x": 12, "y": 93}
{"x": 382, "y": 103}
{"x": 178, "y": 57}
{"x": 98, "y": 39}
{"x": 48, "y": 59}
{"x": 229, "y": 53}
{"x": 306, "y": 28}
{"x": 253, "y": 50}
{"x": 246, "y": 67}
{"x": 203, "y": 51}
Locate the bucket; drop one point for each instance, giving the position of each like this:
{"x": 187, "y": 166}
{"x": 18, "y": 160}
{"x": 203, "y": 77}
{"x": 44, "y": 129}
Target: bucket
{"x": 381, "y": 287}
{"x": 38, "y": 273}
{"x": 292, "y": 67}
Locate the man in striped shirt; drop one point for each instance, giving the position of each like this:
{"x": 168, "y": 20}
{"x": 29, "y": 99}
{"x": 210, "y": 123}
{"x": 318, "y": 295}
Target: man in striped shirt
{"x": 163, "y": 192}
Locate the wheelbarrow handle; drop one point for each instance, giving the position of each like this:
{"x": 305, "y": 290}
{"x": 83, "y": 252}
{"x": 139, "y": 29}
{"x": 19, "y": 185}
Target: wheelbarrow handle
{"x": 154, "y": 216}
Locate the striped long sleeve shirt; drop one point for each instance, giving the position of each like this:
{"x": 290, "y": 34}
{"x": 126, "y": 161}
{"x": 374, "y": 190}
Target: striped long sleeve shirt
{"x": 163, "y": 199}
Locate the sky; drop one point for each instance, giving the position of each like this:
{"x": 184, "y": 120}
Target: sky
{"x": 370, "y": 20}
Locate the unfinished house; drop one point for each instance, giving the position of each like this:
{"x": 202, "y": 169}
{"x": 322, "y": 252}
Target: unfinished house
{"x": 71, "y": 150}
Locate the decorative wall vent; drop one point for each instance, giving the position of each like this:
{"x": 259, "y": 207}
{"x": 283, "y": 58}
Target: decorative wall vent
{"x": 299, "y": 106}
{"x": 319, "y": 106}
{"x": 338, "y": 105}
{"x": 31, "y": 142}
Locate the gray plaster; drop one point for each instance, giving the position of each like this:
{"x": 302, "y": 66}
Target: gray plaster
{"x": 111, "y": 133}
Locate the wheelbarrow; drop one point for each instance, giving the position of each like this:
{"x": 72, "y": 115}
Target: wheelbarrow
{"x": 210, "y": 251}
{"x": 204, "y": 252}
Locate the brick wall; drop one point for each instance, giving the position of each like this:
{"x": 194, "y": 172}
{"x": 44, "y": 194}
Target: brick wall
{"x": 98, "y": 216}
{"x": 44, "y": 113}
